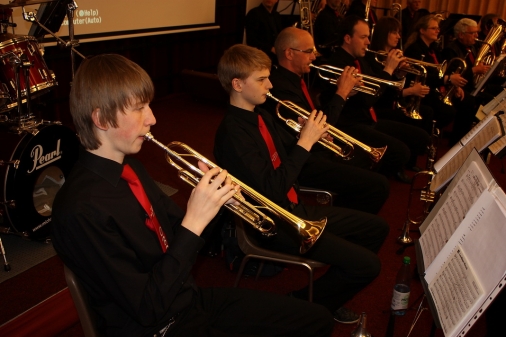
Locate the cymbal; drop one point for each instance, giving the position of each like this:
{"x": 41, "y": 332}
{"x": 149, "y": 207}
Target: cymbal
{"x": 19, "y": 3}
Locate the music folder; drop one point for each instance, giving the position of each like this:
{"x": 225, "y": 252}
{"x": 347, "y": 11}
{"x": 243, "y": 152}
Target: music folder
{"x": 460, "y": 253}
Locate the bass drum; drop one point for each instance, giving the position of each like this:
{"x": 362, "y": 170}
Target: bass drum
{"x": 38, "y": 161}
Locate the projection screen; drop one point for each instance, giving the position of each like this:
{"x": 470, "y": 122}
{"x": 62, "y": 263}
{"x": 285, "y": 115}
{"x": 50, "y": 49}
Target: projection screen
{"x": 96, "y": 20}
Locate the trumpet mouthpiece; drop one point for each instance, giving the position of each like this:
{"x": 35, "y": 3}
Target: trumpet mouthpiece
{"x": 148, "y": 136}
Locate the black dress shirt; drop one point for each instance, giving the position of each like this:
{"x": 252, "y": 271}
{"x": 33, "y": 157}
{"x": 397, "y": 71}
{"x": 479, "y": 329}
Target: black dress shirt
{"x": 409, "y": 20}
{"x": 240, "y": 148}
{"x": 419, "y": 50}
{"x": 326, "y": 29}
{"x": 356, "y": 109}
{"x": 286, "y": 86}
{"x": 457, "y": 49}
{"x": 262, "y": 28}
{"x": 99, "y": 232}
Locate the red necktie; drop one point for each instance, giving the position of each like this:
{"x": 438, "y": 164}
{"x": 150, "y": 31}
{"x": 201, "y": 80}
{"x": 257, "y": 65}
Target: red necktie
{"x": 371, "y": 17}
{"x": 276, "y": 161}
{"x": 371, "y": 109}
{"x": 471, "y": 56}
{"x": 151, "y": 221}
{"x": 306, "y": 93}
{"x": 433, "y": 55}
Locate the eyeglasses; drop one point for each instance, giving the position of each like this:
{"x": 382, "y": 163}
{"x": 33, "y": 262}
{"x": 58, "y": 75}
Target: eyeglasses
{"x": 434, "y": 28}
{"x": 307, "y": 51}
{"x": 472, "y": 33}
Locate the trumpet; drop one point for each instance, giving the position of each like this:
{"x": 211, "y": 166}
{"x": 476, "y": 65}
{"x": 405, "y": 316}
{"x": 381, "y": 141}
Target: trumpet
{"x": 450, "y": 92}
{"x": 372, "y": 85}
{"x": 441, "y": 68}
{"x": 375, "y": 153}
{"x": 309, "y": 231}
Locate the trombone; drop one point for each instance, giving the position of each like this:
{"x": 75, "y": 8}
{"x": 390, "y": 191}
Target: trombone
{"x": 372, "y": 85}
{"x": 309, "y": 231}
{"x": 349, "y": 142}
{"x": 441, "y": 68}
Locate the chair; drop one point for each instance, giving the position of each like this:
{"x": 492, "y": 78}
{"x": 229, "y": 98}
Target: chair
{"x": 252, "y": 251}
{"x": 86, "y": 314}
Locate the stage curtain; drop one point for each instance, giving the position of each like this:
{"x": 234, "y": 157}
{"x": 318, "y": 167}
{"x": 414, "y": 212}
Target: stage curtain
{"x": 473, "y": 7}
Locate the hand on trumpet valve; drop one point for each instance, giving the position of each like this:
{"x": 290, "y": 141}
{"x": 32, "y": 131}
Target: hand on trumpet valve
{"x": 214, "y": 189}
{"x": 347, "y": 81}
{"x": 393, "y": 60}
{"x": 458, "y": 80}
{"x": 418, "y": 89}
{"x": 314, "y": 129}
{"x": 481, "y": 69}
{"x": 459, "y": 93}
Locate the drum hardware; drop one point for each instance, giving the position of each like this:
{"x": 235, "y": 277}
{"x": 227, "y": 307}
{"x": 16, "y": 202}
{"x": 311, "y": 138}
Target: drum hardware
{"x": 7, "y": 266}
{"x": 72, "y": 43}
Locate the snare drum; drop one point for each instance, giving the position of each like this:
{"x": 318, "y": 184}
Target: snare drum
{"x": 40, "y": 78}
{"x": 43, "y": 158}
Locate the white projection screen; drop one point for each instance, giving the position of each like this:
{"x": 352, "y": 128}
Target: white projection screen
{"x": 96, "y": 20}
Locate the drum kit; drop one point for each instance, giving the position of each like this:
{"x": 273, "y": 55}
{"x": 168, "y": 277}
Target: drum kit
{"x": 35, "y": 155}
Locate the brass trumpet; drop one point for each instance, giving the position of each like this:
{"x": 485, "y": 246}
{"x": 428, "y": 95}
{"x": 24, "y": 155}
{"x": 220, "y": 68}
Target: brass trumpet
{"x": 372, "y": 85}
{"x": 309, "y": 231}
{"x": 349, "y": 142}
{"x": 441, "y": 68}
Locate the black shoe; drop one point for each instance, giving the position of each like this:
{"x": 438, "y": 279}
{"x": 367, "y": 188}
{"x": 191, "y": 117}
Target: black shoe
{"x": 403, "y": 177}
{"x": 346, "y": 316}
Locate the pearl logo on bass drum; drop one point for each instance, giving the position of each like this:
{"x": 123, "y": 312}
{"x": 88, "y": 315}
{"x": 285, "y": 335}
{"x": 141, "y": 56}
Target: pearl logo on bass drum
{"x": 44, "y": 158}
{"x": 40, "y": 159}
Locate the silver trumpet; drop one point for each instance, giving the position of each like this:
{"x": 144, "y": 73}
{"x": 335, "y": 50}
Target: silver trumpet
{"x": 441, "y": 68}
{"x": 372, "y": 85}
{"x": 349, "y": 142}
{"x": 308, "y": 231}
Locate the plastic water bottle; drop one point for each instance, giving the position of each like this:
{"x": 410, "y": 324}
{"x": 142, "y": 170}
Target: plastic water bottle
{"x": 400, "y": 298}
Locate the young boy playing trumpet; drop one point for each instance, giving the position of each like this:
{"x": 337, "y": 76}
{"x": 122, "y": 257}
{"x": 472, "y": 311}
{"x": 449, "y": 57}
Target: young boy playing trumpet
{"x": 132, "y": 248}
{"x": 266, "y": 157}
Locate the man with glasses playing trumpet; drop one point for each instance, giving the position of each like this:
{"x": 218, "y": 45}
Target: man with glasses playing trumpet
{"x": 356, "y": 188}
{"x": 253, "y": 147}
{"x": 132, "y": 248}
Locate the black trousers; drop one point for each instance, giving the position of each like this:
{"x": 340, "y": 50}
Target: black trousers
{"x": 235, "y": 312}
{"x": 397, "y": 154}
{"x": 356, "y": 188}
{"x": 349, "y": 244}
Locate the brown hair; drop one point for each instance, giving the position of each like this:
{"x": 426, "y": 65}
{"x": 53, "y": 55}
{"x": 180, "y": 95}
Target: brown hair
{"x": 385, "y": 26}
{"x": 239, "y": 61}
{"x": 110, "y": 83}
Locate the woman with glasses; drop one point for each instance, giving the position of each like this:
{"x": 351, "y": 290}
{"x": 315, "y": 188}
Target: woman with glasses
{"x": 395, "y": 104}
{"x": 421, "y": 45}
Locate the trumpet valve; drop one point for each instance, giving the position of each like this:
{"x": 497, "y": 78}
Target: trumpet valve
{"x": 427, "y": 195}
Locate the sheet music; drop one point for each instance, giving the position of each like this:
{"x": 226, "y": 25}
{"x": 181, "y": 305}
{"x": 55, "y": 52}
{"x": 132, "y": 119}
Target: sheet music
{"x": 477, "y": 245}
{"x": 449, "y": 216}
{"x": 455, "y": 290}
{"x": 489, "y": 130}
{"x": 496, "y": 104}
